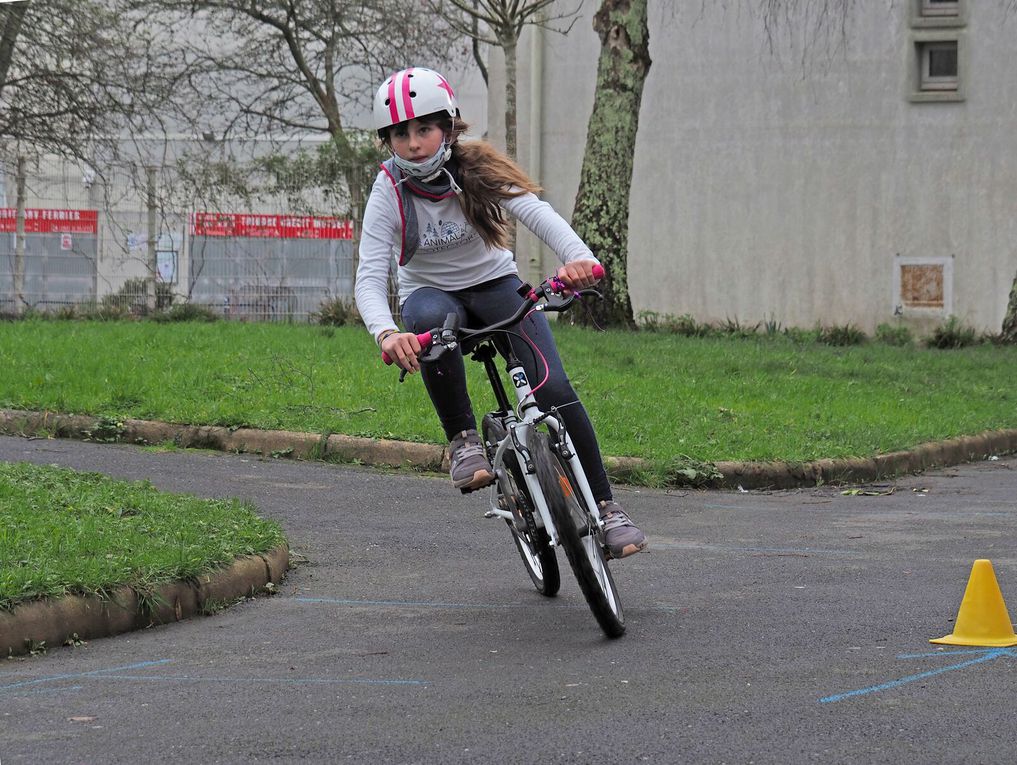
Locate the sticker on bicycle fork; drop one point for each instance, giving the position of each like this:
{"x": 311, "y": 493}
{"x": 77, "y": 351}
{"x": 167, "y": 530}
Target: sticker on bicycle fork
{"x": 519, "y": 379}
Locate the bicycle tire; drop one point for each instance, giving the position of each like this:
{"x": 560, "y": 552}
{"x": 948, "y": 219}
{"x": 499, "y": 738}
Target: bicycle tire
{"x": 579, "y": 536}
{"x": 533, "y": 544}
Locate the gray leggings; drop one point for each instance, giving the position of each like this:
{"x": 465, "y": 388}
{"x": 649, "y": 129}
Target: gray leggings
{"x": 445, "y": 379}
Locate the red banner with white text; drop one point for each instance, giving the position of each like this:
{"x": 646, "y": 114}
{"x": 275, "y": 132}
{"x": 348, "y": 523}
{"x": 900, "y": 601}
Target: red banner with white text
{"x": 270, "y": 226}
{"x": 50, "y": 221}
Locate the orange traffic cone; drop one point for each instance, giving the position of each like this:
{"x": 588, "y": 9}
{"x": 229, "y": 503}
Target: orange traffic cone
{"x": 983, "y": 619}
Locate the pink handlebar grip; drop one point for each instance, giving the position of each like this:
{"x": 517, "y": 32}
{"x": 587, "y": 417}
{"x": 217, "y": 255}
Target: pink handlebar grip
{"x": 598, "y": 272}
{"x": 424, "y": 338}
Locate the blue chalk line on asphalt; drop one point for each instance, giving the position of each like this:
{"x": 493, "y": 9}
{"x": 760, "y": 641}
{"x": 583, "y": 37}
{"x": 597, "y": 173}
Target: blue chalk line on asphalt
{"x": 76, "y": 675}
{"x": 278, "y": 680}
{"x": 117, "y": 673}
{"x": 440, "y": 604}
{"x": 982, "y": 655}
{"x": 407, "y": 603}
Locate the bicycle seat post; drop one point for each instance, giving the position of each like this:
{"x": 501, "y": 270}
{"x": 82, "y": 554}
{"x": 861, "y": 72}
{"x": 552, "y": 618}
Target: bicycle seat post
{"x": 485, "y": 352}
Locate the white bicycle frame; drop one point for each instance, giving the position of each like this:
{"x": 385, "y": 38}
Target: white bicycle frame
{"x": 528, "y": 413}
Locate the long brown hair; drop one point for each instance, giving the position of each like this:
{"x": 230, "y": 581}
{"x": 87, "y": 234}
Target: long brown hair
{"x": 486, "y": 176}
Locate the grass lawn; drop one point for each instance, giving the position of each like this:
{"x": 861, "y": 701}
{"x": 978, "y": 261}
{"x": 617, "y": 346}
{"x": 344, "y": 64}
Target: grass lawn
{"x": 64, "y": 532}
{"x": 650, "y": 395}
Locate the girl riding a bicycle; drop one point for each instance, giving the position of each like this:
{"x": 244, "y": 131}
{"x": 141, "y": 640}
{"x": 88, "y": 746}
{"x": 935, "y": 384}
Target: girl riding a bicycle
{"x": 441, "y": 204}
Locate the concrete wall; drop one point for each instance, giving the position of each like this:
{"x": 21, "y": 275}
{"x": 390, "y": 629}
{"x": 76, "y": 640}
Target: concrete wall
{"x": 789, "y": 184}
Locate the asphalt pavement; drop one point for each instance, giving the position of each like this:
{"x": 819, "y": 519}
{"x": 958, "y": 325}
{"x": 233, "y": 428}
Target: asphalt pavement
{"x": 763, "y": 627}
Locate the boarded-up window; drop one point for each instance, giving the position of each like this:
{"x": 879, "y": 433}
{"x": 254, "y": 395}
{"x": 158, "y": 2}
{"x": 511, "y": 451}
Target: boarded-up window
{"x": 921, "y": 286}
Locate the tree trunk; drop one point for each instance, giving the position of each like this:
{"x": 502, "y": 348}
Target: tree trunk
{"x": 19, "y": 241}
{"x": 151, "y": 304}
{"x": 475, "y": 40}
{"x": 508, "y": 45}
{"x": 1009, "y": 331}
{"x": 601, "y": 214}
{"x": 11, "y": 17}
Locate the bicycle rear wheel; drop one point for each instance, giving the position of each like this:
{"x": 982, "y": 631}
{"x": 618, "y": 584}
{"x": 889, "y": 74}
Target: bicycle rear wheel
{"x": 579, "y": 535}
{"x": 532, "y": 543}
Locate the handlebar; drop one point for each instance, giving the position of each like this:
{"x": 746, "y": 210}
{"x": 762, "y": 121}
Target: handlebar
{"x": 450, "y": 334}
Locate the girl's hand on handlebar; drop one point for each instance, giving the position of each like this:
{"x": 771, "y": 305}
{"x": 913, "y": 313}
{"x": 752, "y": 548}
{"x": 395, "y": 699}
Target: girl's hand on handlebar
{"x": 403, "y": 348}
{"x": 581, "y": 274}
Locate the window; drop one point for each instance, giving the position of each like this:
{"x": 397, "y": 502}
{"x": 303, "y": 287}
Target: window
{"x": 938, "y": 66}
{"x": 938, "y": 13}
{"x": 940, "y": 8}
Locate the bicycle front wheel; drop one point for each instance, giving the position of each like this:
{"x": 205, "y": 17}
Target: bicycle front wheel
{"x": 532, "y": 543}
{"x": 579, "y": 536}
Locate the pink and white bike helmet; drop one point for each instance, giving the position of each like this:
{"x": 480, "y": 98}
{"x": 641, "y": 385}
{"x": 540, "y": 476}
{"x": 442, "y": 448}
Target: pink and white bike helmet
{"x": 413, "y": 92}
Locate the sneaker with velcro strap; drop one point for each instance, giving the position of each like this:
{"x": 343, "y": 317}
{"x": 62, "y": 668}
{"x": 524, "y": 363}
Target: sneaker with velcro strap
{"x": 470, "y": 469}
{"x": 621, "y": 536}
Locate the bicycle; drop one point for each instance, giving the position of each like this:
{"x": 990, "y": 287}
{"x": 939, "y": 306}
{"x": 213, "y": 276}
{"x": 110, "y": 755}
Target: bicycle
{"x": 540, "y": 488}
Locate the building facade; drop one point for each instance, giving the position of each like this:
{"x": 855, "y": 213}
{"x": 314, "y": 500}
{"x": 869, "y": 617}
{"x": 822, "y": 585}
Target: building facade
{"x": 800, "y": 175}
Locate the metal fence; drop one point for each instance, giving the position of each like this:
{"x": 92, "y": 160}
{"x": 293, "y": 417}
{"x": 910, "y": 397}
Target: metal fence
{"x": 59, "y": 266}
{"x": 83, "y": 251}
{"x": 283, "y": 269}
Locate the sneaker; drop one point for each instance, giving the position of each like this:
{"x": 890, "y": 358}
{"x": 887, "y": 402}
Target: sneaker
{"x": 470, "y": 468}
{"x": 621, "y": 537}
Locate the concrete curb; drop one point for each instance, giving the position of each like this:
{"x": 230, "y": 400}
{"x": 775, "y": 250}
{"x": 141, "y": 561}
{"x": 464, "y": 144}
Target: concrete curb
{"x": 268, "y": 443}
{"x": 56, "y": 621}
{"x": 388, "y": 453}
{"x": 792, "y": 475}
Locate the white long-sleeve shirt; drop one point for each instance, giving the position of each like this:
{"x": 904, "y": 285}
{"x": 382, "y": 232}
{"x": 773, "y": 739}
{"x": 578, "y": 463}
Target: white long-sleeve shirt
{"x": 451, "y": 255}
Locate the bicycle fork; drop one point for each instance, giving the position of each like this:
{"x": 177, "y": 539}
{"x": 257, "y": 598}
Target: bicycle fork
{"x": 518, "y": 431}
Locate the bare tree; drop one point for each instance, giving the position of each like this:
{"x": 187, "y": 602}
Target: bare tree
{"x": 602, "y": 201}
{"x": 73, "y": 73}
{"x": 505, "y": 20}
{"x": 291, "y": 67}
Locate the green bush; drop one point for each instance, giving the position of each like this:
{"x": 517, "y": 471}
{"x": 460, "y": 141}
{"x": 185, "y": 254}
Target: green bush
{"x": 188, "y": 312}
{"x": 952, "y": 333}
{"x": 734, "y": 328}
{"x": 107, "y": 311}
{"x": 337, "y": 312}
{"x": 650, "y": 321}
{"x": 771, "y": 327}
{"x": 684, "y": 325}
{"x": 800, "y": 336}
{"x": 132, "y": 299}
{"x": 898, "y": 336}
{"x": 840, "y": 335}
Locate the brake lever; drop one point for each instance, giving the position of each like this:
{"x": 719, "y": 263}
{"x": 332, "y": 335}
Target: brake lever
{"x": 432, "y": 353}
{"x": 557, "y": 295}
{"x": 558, "y": 303}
